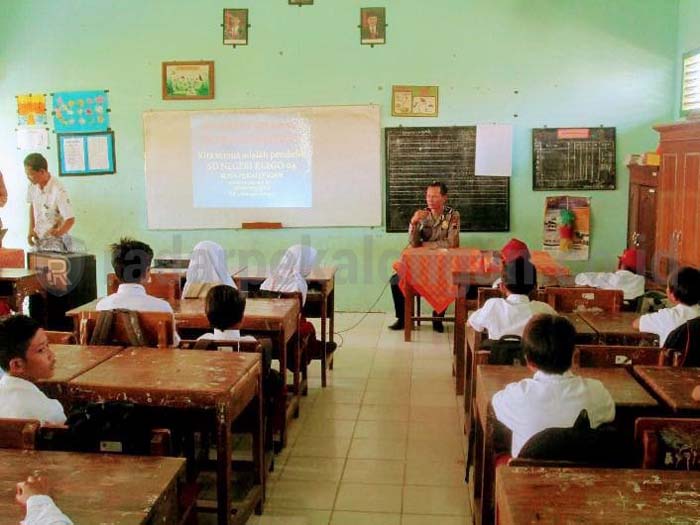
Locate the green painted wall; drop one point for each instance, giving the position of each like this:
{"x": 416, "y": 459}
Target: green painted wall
{"x": 688, "y": 40}
{"x": 571, "y": 62}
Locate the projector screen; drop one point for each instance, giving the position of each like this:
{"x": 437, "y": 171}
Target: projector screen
{"x": 312, "y": 166}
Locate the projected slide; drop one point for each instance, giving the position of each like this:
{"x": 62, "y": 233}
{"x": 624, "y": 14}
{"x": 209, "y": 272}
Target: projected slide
{"x": 251, "y": 160}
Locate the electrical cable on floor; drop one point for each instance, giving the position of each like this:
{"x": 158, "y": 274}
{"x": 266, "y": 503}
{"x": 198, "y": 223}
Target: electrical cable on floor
{"x": 369, "y": 311}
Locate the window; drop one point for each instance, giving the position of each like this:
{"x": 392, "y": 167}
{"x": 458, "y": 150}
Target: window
{"x": 690, "y": 85}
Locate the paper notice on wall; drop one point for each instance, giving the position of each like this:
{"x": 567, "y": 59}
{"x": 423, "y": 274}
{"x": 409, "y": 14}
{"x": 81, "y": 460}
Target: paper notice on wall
{"x": 98, "y": 153}
{"x": 74, "y": 154}
{"x": 567, "y": 242}
{"x": 494, "y": 150}
{"x": 32, "y": 138}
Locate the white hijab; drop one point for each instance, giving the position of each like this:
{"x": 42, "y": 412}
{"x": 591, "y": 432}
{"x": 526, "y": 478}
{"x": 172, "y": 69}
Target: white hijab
{"x": 290, "y": 274}
{"x": 208, "y": 265}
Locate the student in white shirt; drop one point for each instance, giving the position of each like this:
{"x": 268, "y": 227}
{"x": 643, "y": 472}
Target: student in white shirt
{"x": 26, "y": 357}
{"x": 683, "y": 290}
{"x": 554, "y": 396}
{"x": 510, "y": 315}
{"x": 224, "y": 306}
{"x": 207, "y": 265}
{"x": 41, "y": 509}
{"x": 627, "y": 277}
{"x": 510, "y": 251}
{"x": 50, "y": 211}
{"x": 131, "y": 261}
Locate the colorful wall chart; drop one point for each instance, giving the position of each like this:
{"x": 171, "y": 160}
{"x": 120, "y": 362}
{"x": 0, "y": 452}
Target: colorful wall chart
{"x": 80, "y": 111}
{"x": 31, "y": 110}
{"x": 578, "y": 249}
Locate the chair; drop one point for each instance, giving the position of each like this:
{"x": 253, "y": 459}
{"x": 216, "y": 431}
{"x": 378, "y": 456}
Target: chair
{"x": 609, "y": 356}
{"x": 582, "y": 299}
{"x": 670, "y": 443}
{"x": 682, "y": 346}
{"x": 579, "y": 445}
{"x": 163, "y": 285}
{"x": 154, "y": 329}
{"x": 60, "y": 338}
{"x": 19, "y": 433}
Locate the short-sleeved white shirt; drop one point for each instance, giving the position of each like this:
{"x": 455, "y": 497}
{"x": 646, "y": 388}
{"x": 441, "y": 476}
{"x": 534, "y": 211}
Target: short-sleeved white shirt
{"x": 234, "y": 336}
{"x": 21, "y": 399}
{"x": 631, "y": 284}
{"x": 665, "y": 321}
{"x": 507, "y": 316}
{"x": 41, "y": 510}
{"x": 550, "y": 401}
{"x": 50, "y": 206}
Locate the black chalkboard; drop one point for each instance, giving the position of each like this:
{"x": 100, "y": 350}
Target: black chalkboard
{"x": 573, "y": 159}
{"x": 417, "y": 156}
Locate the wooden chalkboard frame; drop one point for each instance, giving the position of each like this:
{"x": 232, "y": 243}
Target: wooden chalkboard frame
{"x": 587, "y": 169}
{"x": 483, "y": 202}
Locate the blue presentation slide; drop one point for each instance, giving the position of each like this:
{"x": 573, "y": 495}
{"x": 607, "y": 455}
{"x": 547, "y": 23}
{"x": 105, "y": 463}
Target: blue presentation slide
{"x": 251, "y": 160}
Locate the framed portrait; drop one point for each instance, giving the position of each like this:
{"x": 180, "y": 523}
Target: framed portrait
{"x": 301, "y": 2}
{"x": 188, "y": 80}
{"x": 235, "y": 27}
{"x": 372, "y": 26}
{"x": 414, "y": 101}
{"x": 86, "y": 153}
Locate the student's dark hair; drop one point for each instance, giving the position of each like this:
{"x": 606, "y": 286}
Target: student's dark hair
{"x": 684, "y": 284}
{"x": 224, "y": 306}
{"x": 36, "y": 161}
{"x": 131, "y": 259}
{"x": 16, "y": 332}
{"x": 548, "y": 342}
{"x": 438, "y": 184}
{"x": 519, "y": 276}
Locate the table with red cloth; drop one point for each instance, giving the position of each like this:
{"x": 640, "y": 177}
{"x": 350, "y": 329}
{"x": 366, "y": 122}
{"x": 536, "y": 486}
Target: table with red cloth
{"x": 11, "y": 258}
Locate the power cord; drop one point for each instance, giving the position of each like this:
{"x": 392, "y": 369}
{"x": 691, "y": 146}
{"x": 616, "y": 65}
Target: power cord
{"x": 365, "y": 314}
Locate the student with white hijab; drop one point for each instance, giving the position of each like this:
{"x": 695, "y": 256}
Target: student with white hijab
{"x": 290, "y": 274}
{"x": 207, "y": 266}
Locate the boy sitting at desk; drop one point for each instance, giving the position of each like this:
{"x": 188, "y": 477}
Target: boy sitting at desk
{"x": 554, "y": 396}
{"x": 627, "y": 278}
{"x": 131, "y": 260}
{"x": 224, "y": 306}
{"x": 26, "y": 357}
{"x": 508, "y": 316}
{"x": 32, "y": 494}
{"x": 683, "y": 290}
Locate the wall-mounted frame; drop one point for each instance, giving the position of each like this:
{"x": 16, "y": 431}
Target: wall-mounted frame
{"x": 86, "y": 153}
{"x": 414, "y": 101}
{"x": 301, "y": 2}
{"x": 188, "y": 80}
{"x": 236, "y": 27}
{"x": 372, "y": 26}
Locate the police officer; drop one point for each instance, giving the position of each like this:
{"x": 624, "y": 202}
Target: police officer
{"x": 434, "y": 226}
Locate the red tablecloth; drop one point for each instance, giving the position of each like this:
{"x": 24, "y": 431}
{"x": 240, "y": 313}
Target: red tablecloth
{"x": 428, "y": 271}
{"x": 11, "y": 258}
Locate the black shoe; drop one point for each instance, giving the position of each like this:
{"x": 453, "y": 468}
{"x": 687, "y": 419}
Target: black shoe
{"x": 398, "y": 325}
{"x": 438, "y": 327}
{"x": 331, "y": 346}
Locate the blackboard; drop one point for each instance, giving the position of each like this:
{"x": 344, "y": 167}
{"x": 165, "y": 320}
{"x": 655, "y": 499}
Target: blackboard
{"x": 573, "y": 159}
{"x": 417, "y": 156}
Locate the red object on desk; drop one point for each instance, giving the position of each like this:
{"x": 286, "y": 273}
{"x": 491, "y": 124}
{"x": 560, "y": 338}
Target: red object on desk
{"x": 11, "y": 258}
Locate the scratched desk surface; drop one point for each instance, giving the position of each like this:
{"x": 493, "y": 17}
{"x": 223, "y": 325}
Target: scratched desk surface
{"x": 92, "y": 488}
{"x": 527, "y": 495}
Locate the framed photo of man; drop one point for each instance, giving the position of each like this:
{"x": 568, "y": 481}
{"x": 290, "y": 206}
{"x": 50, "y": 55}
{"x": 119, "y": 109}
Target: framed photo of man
{"x": 372, "y": 25}
{"x": 236, "y": 27}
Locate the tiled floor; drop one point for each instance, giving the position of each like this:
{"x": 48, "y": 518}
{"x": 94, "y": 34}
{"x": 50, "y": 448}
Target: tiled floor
{"x": 382, "y": 444}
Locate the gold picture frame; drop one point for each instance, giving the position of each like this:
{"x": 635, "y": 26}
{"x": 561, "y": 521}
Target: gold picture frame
{"x": 190, "y": 80}
{"x": 235, "y": 27}
{"x": 414, "y": 101}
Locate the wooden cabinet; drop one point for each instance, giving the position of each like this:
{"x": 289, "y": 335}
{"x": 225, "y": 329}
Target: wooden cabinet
{"x": 641, "y": 221}
{"x": 678, "y": 209}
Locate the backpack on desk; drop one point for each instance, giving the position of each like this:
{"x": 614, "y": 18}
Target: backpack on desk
{"x": 508, "y": 350}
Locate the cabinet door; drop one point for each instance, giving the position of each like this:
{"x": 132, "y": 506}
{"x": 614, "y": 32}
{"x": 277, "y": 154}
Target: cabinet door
{"x": 690, "y": 227}
{"x": 646, "y": 224}
{"x": 633, "y": 216}
{"x": 665, "y": 229}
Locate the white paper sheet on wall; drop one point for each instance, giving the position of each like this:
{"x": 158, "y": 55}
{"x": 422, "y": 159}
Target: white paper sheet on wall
{"x": 494, "y": 150}
{"x": 32, "y": 138}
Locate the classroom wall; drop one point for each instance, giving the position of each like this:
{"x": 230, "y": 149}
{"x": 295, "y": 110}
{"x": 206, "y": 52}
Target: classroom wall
{"x": 688, "y": 40}
{"x": 526, "y": 62}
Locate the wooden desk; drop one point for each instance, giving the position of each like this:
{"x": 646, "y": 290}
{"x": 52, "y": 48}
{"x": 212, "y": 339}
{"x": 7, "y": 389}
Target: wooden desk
{"x": 672, "y": 386}
{"x": 96, "y": 488}
{"x": 219, "y": 384}
{"x": 631, "y": 400}
{"x": 527, "y": 495}
{"x": 320, "y": 303}
{"x": 615, "y": 328}
{"x": 19, "y": 283}
{"x": 73, "y": 360}
{"x": 465, "y": 276}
